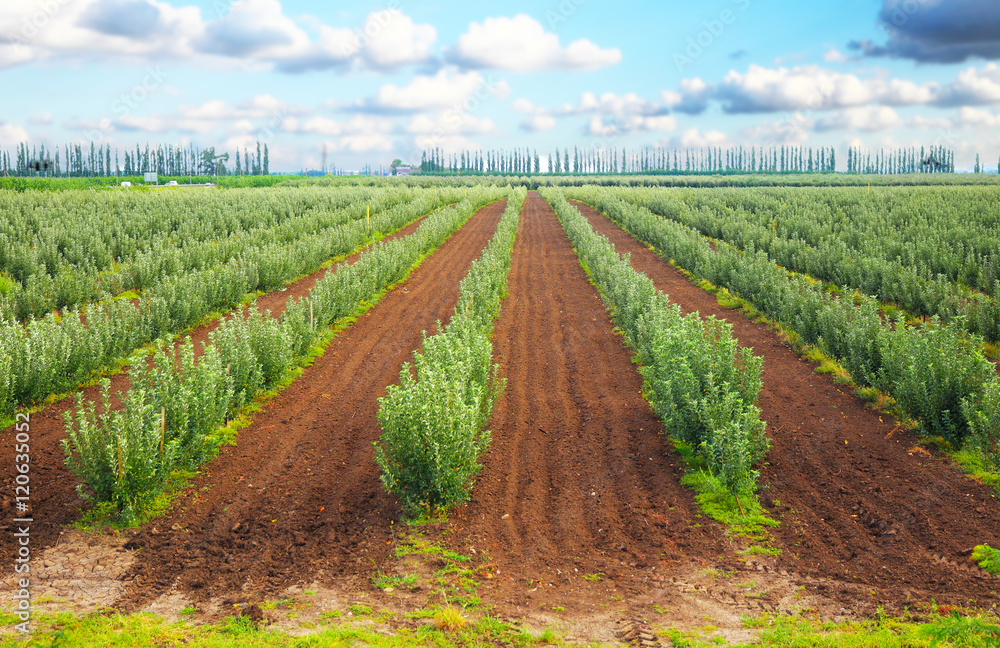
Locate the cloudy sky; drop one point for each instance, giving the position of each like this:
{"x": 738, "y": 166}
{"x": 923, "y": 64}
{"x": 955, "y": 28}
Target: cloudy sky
{"x": 373, "y": 81}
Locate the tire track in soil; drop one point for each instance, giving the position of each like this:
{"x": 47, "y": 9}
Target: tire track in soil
{"x": 54, "y": 499}
{"x": 577, "y": 475}
{"x": 299, "y": 496}
{"x": 859, "y": 502}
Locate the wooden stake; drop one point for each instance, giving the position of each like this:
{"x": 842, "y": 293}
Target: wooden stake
{"x": 310, "y": 315}
{"x": 163, "y": 427}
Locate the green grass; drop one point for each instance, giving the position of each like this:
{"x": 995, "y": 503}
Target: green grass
{"x": 140, "y": 630}
{"x": 743, "y": 513}
{"x": 882, "y": 632}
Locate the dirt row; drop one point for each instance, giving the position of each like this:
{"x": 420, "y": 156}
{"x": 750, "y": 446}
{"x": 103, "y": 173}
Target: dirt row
{"x": 860, "y": 503}
{"x": 298, "y": 497}
{"x": 579, "y": 478}
{"x": 54, "y": 499}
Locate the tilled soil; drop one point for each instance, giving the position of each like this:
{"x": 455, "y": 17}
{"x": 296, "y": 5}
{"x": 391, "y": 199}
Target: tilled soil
{"x": 579, "y": 479}
{"x": 860, "y": 504}
{"x": 54, "y": 499}
{"x": 299, "y": 496}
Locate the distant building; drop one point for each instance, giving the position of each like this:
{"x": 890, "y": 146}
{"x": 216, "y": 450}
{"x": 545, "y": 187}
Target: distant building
{"x": 402, "y": 170}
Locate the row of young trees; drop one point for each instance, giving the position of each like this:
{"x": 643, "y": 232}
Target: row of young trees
{"x": 77, "y": 160}
{"x": 737, "y": 159}
{"x": 936, "y": 159}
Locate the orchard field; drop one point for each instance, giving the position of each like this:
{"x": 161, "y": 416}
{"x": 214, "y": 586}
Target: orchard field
{"x": 572, "y": 410}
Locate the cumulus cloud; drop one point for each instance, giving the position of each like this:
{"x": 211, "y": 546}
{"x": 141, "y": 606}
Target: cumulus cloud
{"x": 978, "y": 118}
{"x": 834, "y": 56}
{"x": 810, "y": 87}
{"x": 694, "y": 138}
{"x": 450, "y": 124}
{"x": 607, "y": 114}
{"x": 972, "y": 87}
{"x": 626, "y": 125}
{"x": 251, "y": 27}
{"x": 521, "y": 44}
{"x": 397, "y": 40}
{"x": 867, "y": 118}
{"x": 11, "y": 136}
{"x": 444, "y": 90}
{"x": 538, "y": 123}
{"x": 259, "y": 114}
{"x": 249, "y": 33}
{"x": 788, "y": 132}
{"x": 937, "y": 31}
{"x": 129, "y": 18}
{"x": 763, "y": 89}
{"x": 691, "y": 99}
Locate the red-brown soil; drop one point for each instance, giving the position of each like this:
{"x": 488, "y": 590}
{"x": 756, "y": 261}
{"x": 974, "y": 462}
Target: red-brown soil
{"x": 579, "y": 478}
{"x": 299, "y": 496}
{"x": 860, "y": 504}
{"x": 54, "y": 499}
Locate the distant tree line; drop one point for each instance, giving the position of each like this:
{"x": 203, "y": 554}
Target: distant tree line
{"x": 936, "y": 159}
{"x": 77, "y": 160}
{"x": 736, "y": 159}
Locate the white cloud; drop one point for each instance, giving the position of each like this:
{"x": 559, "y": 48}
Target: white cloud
{"x": 521, "y": 44}
{"x": 538, "y": 123}
{"x": 43, "y": 119}
{"x": 867, "y": 118}
{"x": 11, "y": 136}
{"x": 811, "y": 87}
{"x": 692, "y": 98}
{"x": 694, "y": 138}
{"x": 451, "y": 124}
{"x": 924, "y": 123}
{"x": 792, "y": 132}
{"x": 397, "y": 40}
{"x": 978, "y": 118}
{"x": 458, "y": 91}
{"x": 834, "y": 56}
{"x": 973, "y": 87}
{"x": 763, "y": 89}
{"x": 613, "y": 127}
{"x": 252, "y": 34}
{"x": 362, "y": 143}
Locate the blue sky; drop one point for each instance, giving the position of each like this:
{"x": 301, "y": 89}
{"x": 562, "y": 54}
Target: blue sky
{"x": 374, "y": 81}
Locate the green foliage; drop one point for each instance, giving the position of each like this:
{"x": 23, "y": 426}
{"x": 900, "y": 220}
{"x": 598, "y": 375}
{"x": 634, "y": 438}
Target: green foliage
{"x": 931, "y": 370}
{"x": 120, "y": 455}
{"x": 433, "y": 421}
{"x": 698, "y": 380}
{"x": 982, "y": 411}
{"x": 124, "y": 456}
{"x": 194, "y": 398}
{"x": 987, "y": 557}
{"x": 187, "y": 255}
